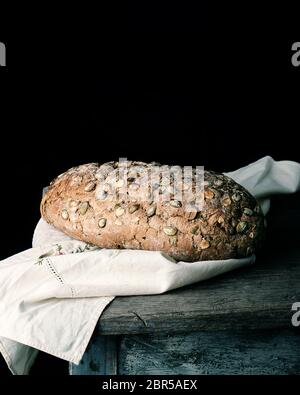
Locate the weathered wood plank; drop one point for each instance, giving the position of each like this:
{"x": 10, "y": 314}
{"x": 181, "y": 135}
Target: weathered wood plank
{"x": 266, "y": 352}
{"x": 99, "y": 358}
{"x": 257, "y": 297}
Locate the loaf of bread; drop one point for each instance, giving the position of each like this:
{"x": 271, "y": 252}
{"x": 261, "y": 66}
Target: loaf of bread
{"x": 85, "y": 203}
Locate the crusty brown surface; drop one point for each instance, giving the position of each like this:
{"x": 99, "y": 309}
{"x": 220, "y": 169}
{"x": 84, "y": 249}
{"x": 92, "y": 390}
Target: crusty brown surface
{"x": 230, "y": 225}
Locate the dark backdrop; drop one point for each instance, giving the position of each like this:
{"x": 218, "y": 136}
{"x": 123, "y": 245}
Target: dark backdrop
{"x": 173, "y": 83}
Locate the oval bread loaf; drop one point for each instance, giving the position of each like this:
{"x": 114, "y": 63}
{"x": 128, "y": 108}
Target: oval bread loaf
{"x": 89, "y": 203}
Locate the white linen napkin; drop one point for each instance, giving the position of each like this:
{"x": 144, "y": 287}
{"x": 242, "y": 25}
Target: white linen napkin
{"x": 52, "y": 295}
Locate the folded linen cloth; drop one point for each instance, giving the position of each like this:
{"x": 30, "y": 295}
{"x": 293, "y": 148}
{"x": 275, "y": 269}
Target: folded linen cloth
{"x": 52, "y": 295}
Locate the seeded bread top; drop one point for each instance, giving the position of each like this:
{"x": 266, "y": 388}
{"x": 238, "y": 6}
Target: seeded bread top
{"x": 90, "y": 203}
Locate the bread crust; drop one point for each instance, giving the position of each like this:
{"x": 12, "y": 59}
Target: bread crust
{"x": 230, "y": 224}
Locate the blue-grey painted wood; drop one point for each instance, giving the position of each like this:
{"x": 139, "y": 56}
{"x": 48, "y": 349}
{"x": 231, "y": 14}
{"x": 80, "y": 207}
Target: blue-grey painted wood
{"x": 100, "y": 358}
{"x": 219, "y": 352}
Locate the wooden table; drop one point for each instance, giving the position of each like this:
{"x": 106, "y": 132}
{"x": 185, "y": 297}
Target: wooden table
{"x": 237, "y": 323}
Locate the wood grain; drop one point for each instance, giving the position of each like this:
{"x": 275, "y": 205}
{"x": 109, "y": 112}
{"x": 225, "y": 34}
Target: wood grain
{"x": 264, "y": 352}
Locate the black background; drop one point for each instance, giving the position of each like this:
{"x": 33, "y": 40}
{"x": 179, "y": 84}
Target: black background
{"x": 177, "y": 83}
